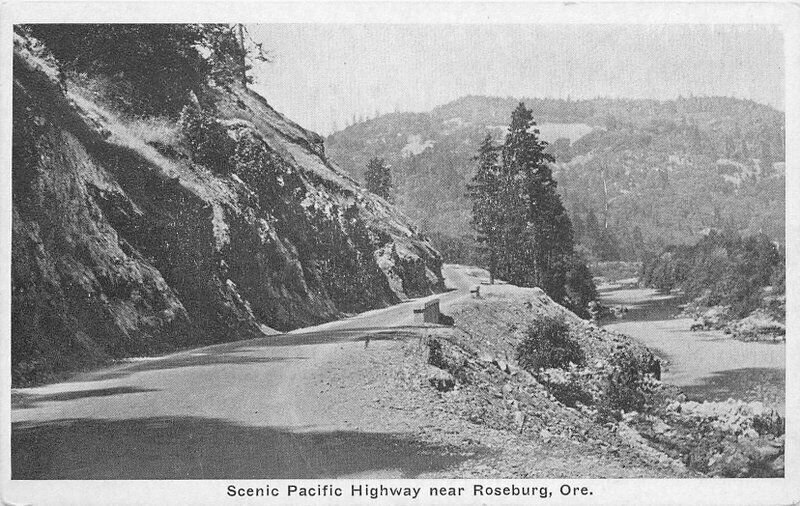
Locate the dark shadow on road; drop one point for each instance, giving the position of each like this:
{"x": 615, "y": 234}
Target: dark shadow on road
{"x": 197, "y": 358}
{"x": 329, "y": 336}
{"x": 207, "y": 448}
{"x": 24, "y": 400}
{"x": 235, "y": 351}
{"x": 748, "y": 384}
{"x": 359, "y": 334}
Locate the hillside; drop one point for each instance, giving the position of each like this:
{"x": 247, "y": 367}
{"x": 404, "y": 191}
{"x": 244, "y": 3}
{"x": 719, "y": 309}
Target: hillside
{"x": 667, "y": 171}
{"x": 125, "y": 245}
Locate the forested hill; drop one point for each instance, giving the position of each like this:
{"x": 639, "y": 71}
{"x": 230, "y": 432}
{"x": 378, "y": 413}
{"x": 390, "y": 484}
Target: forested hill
{"x": 657, "y": 172}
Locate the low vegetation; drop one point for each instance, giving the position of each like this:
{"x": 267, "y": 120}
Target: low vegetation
{"x": 207, "y": 140}
{"x": 548, "y": 344}
{"x": 726, "y": 278}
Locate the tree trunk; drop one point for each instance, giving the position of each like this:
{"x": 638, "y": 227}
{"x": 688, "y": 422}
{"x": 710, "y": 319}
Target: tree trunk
{"x": 492, "y": 265}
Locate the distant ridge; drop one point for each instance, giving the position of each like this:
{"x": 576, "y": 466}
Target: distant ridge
{"x": 672, "y": 168}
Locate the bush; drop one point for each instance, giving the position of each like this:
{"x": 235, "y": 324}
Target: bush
{"x": 580, "y": 288}
{"x": 435, "y": 356}
{"x": 624, "y": 386}
{"x": 207, "y": 140}
{"x": 548, "y": 344}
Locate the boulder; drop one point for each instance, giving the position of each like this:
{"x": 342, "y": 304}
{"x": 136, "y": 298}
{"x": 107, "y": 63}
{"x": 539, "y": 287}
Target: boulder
{"x": 440, "y": 379}
{"x": 503, "y": 366}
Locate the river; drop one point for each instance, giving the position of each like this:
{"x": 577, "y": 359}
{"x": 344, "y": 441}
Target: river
{"x": 706, "y": 365}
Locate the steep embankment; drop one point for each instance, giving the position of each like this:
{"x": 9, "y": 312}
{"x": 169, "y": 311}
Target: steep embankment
{"x": 122, "y": 245}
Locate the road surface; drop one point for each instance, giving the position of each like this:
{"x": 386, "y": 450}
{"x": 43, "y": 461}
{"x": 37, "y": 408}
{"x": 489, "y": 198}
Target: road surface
{"x": 272, "y": 407}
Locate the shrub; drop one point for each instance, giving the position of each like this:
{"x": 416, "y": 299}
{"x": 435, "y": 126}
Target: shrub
{"x": 580, "y": 287}
{"x": 207, "y": 140}
{"x": 624, "y": 386}
{"x": 435, "y": 356}
{"x": 548, "y": 344}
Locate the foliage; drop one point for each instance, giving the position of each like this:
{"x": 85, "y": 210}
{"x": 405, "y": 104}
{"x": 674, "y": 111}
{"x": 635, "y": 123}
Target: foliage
{"x": 435, "y": 356}
{"x": 548, "y": 344}
{"x": 151, "y": 68}
{"x": 600, "y": 240}
{"x": 520, "y": 219}
{"x": 723, "y": 268}
{"x": 207, "y": 140}
{"x": 378, "y": 177}
{"x": 487, "y": 212}
{"x": 624, "y": 385}
{"x": 580, "y": 288}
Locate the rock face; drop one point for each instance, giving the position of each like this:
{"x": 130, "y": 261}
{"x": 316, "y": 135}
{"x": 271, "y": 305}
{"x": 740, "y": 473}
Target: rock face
{"x": 123, "y": 246}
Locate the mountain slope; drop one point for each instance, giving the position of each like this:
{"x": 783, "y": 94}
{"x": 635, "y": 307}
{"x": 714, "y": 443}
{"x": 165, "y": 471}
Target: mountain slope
{"x": 122, "y": 245}
{"x": 667, "y": 171}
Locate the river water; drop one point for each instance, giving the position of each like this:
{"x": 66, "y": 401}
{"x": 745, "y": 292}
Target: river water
{"x": 706, "y": 365}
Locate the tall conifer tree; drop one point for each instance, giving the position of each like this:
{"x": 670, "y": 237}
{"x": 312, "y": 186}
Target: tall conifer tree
{"x": 520, "y": 217}
{"x": 485, "y": 193}
{"x": 543, "y": 248}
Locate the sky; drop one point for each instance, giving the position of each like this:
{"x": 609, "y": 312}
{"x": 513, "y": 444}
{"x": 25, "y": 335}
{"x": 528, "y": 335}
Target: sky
{"x": 322, "y": 75}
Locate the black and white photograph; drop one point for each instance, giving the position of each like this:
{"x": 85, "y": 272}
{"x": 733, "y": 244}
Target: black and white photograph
{"x": 391, "y": 253}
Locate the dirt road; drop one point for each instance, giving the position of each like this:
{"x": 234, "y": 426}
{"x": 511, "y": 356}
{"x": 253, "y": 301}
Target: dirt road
{"x": 280, "y": 406}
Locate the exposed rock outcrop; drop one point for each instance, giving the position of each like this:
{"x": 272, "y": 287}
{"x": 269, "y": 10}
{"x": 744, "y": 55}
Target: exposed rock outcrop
{"x": 122, "y": 245}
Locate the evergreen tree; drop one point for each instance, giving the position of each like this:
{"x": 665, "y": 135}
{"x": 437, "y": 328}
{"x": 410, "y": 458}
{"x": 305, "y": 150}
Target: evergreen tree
{"x": 378, "y": 177}
{"x": 538, "y": 233}
{"x": 485, "y": 193}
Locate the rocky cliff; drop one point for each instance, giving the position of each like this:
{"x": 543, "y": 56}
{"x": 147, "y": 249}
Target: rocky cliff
{"x": 124, "y": 245}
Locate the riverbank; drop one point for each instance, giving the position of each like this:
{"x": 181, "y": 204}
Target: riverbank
{"x": 705, "y": 365}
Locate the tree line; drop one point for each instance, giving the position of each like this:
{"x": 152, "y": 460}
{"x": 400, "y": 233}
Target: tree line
{"x": 723, "y": 268}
